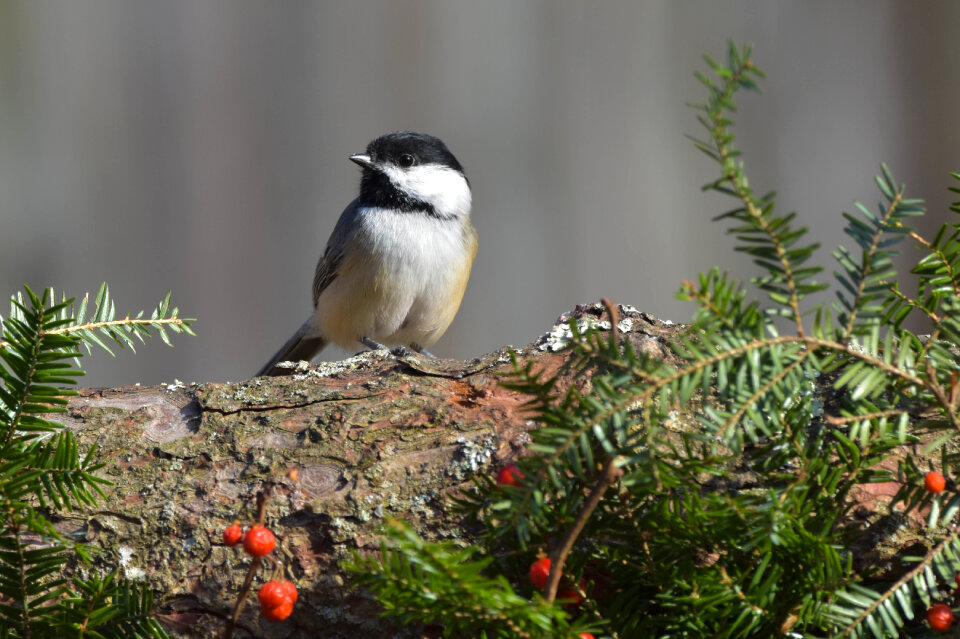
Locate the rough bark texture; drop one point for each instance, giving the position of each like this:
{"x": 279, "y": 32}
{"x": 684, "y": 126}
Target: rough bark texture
{"x": 370, "y": 437}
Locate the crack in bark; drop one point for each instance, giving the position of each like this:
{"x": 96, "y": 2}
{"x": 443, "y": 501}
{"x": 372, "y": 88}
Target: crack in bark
{"x": 275, "y": 407}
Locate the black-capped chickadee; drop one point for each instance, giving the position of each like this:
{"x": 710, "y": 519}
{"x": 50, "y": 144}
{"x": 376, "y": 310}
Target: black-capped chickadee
{"x": 397, "y": 263}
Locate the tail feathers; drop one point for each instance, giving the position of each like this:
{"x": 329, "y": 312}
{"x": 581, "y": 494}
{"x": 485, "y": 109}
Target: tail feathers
{"x": 300, "y": 346}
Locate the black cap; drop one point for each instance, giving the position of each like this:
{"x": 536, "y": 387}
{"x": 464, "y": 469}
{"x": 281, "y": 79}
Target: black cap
{"x": 424, "y": 148}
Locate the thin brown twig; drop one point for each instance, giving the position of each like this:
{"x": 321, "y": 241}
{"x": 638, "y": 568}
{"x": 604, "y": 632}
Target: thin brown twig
{"x": 835, "y": 420}
{"x": 558, "y": 557}
{"x": 612, "y": 312}
{"x": 690, "y": 288}
{"x": 947, "y": 264}
{"x": 607, "y": 474}
{"x": 254, "y": 567}
{"x": 912, "y": 303}
{"x": 941, "y": 395}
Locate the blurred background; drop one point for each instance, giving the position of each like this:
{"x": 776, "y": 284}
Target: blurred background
{"x": 201, "y": 147}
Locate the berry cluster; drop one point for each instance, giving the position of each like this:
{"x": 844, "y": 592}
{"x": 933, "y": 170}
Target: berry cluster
{"x": 277, "y": 599}
{"x": 276, "y": 596}
{"x": 540, "y": 572}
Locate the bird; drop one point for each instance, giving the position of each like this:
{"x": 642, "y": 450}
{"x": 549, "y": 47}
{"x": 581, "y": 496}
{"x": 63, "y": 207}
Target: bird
{"x": 396, "y": 266}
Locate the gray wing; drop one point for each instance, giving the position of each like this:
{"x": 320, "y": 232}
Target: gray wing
{"x": 332, "y": 257}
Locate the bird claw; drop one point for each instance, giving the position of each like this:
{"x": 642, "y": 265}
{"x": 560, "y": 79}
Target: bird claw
{"x": 372, "y": 344}
{"x": 400, "y": 351}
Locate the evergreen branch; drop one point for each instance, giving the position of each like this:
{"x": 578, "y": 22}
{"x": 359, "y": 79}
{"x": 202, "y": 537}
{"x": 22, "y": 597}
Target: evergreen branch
{"x": 39, "y": 338}
{"x": 31, "y": 556}
{"x": 726, "y": 580}
{"x": 765, "y": 344}
{"x": 760, "y": 392}
{"x": 781, "y": 260}
{"x": 103, "y": 321}
{"x": 895, "y": 291}
{"x": 867, "y": 264}
{"x": 412, "y": 577}
{"x": 103, "y": 606}
{"x": 758, "y": 218}
{"x": 855, "y": 353}
{"x": 724, "y": 303}
{"x": 896, "y": 592}
{"x": 29, "y": 354}
{"x": 21, "y": 566}
{"x": 945, "y": 262}
{"x": 644, "y": 397}
{"x": 706, "y": 301}
{"x": 125, "y": 322}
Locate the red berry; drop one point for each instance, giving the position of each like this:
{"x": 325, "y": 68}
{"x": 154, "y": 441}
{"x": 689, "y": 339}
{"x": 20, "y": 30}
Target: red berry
{"x": 540, "y": 572}
{"x": 940, "y": 616}
{"x": 957, "y": 579}
{"x": 509, "y": 475}
{"x": 290, "y": 590}
{"x": 571, "y": 596}
{"x": 586, "y": 635}
{"x": 276, "y": 599}
{"x": 272, "y": 594}
{"x": 259, "y": 541}
{"x": 232, "y": 534}
{"x": 934, "y": 481}
{"x": 277, "y": 613}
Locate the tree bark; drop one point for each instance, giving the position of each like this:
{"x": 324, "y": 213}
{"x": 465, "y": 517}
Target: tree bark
{"x": 371, "y": 437}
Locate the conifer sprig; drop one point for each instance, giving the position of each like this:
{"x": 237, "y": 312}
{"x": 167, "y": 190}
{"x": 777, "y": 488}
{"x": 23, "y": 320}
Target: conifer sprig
{"x": 412, "y": 576}
{"x": 865, "y": 279}
{"x": 104, "y": 322}
{"x": 41, "y": 468}
{"x": 768, "y": 238}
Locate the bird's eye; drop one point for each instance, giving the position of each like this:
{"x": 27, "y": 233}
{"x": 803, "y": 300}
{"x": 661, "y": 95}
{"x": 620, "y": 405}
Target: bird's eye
{"x": 405, "y": 160}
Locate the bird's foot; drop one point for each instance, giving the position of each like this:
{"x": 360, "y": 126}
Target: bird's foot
{"x": 372, "y": 344}
{"x": 400, "y": 351}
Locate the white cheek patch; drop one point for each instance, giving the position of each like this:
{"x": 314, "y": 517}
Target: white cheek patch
{"x": 443, "y": 188}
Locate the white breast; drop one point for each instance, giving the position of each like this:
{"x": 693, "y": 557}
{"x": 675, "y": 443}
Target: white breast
{"x": 401, "y": 280}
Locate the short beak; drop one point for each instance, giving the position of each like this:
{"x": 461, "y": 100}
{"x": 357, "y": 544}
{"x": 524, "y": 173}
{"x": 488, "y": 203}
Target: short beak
{"x": 363, "y": 160}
